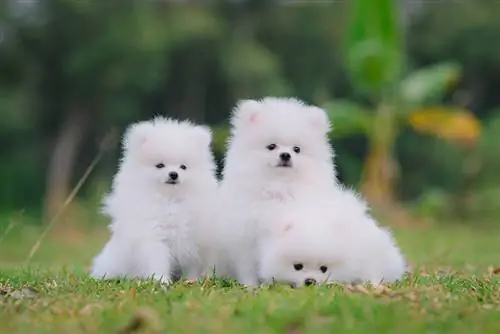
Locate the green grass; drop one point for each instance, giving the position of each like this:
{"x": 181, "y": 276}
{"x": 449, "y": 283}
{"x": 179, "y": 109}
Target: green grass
{"x": 452, "y": 290}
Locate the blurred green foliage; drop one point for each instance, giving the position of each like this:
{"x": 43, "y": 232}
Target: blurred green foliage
{"x": 109, "y": 63}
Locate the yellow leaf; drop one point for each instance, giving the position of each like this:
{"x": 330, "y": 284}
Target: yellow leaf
{"x": 458, "y": 125}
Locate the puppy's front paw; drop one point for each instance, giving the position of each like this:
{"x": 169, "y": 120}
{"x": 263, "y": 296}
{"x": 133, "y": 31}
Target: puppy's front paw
{"x": 375, "y": 283}
{"x": 165, "y": 280}
{"x": 251, "y": 287}
{"x": 248, "y": 281}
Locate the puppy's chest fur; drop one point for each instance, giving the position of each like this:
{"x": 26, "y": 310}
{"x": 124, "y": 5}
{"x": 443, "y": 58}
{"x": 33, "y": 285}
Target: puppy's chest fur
{"x": 175, "y": 228}
{"x": 276, "y": 194}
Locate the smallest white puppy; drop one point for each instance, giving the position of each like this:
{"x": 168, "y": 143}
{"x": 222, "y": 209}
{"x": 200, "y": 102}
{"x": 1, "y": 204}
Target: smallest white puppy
{"x": 333, "y": 241}
{"x": 160, "y": 202}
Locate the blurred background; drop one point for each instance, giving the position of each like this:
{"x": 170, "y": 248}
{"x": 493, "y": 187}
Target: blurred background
{"x": 410, "y": 85}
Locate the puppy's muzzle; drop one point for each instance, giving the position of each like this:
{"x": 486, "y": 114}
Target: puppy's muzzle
{"x": 173, "y": 178}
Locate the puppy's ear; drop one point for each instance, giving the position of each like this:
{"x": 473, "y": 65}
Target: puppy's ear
{"x": 203, "y": 135}
{"x": 137, "y": 135}
{"x": 245, "y": 112}
{"x": 319, "y": 119}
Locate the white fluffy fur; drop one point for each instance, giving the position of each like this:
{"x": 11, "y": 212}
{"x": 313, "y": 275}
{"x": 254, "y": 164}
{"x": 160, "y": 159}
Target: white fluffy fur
{"x": 336, "y": 233}
{"x": 254, "y": 187}
{"x": 159, "y": 228}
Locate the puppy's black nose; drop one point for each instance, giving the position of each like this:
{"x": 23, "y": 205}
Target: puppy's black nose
{"x": 285, "y": 156}
{"x": 309, "y": 281}
{"x": 173, "y": 176}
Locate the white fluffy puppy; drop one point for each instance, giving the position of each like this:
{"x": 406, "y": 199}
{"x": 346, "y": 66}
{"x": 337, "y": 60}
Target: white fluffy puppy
{"x": 278, "y": 154}
{"x": 160, "y": 202}
{"x": 332, "y": 240}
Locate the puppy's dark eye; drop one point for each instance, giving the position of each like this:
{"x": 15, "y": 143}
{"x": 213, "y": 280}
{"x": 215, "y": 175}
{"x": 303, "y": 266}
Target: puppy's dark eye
{"x": 184, "y": 167}
{"x": 323, "y": 269}
{"x": 160, "y": 165}
{"x": 271, "y": 147}
{"x": 296, "y": 149}
{"x": 298, "y": 266}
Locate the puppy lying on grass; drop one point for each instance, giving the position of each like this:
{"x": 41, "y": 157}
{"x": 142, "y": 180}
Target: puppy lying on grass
{"x": 327, "y": 241}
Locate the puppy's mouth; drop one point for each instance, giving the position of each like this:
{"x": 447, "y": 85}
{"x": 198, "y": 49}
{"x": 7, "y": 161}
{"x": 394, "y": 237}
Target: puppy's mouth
{"x": 170, "y": 181}
{"x": 285, "y": 164}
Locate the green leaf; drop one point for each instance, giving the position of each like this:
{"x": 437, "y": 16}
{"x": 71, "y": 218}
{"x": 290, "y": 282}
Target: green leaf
{"x": 374, "y": 53}
{"x": 429, "y": 84}
{"x": 348, "y": 118}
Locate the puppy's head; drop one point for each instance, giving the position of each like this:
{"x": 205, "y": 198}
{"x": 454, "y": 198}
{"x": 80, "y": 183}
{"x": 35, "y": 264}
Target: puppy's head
{"x": 297, "y": 255}
{"x": 278, "y": 136}
{"x": 168, "y": 153}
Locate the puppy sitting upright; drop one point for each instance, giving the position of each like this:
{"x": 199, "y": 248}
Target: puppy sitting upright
{"x": 160, "y": 202}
